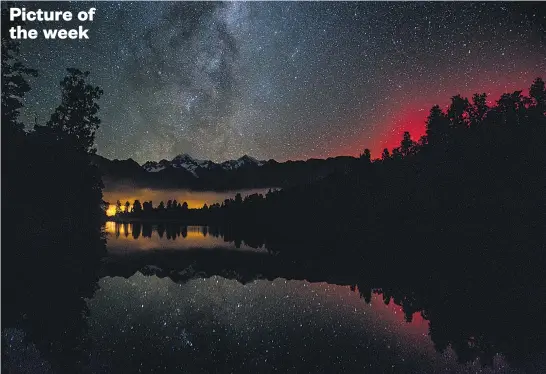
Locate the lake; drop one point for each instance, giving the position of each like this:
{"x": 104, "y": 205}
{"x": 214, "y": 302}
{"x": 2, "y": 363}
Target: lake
{"x": 184, "y": 299}
{"x": 148, "y": 324}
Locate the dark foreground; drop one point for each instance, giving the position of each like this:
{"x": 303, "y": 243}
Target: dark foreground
{"x": 158, "y": 304}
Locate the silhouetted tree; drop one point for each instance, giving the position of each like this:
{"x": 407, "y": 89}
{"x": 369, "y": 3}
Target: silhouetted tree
{"x": 437, "y": 126}
{"x": 61, "y": 226}
{"x": 478, "y": 109}
{"x": 75, "y": 121}
{"x": 137, "y": 207}
{"x": 538, "y": 94}
{"x": 17, "y": 153}
{"x": 147, "y": 207}
{"x": 511, "y": 107}
{"x": 366, "y": 156}
{"x": 385, "y": 155}
{"x": 406, "y": 146}
{"x": 14, "y": 78}
{"x": 458, "y": 112}
{"x": 396, "y": 154}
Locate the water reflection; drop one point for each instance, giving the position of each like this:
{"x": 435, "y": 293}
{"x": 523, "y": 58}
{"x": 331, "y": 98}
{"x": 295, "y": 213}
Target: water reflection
{"x": 128, "y": 237}
{"x": 208, "y": 325}
{"x": 219, "y": 325}
{"x": 222, "y": 311}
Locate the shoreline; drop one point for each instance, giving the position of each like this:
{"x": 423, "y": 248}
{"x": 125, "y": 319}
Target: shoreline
{"x": 153, "y": 220}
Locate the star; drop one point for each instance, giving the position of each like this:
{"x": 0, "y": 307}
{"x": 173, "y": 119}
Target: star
{"x": 281, "y": 80}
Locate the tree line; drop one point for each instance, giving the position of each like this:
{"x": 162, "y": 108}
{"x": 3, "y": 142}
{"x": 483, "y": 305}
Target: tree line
{"x": 130, "y": 212}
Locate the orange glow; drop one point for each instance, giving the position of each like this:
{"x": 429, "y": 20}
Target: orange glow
{"x": 111, "y": 211}
{"x": 195, "y": 199}
{"x": 121, "y": 239}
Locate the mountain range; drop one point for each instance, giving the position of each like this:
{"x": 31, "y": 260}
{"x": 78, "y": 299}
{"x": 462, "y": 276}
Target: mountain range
{"x": 184, "y": 171}
{"x": 194, "y": 166}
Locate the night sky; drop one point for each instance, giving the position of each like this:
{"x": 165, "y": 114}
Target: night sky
{"x": 282, "y": 80}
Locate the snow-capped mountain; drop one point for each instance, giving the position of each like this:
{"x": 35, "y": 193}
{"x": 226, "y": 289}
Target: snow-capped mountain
{"x": 186, "y": 162}
{"x": 154, "y": 167}
{"x": 186, "y": 172}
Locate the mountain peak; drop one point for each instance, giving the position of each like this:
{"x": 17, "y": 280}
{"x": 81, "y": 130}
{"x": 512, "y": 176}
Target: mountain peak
{"x": 244, "y": 160}
{"x": 195, "y": 166}
{"x": 247, "y": 158}
{"x": 183, "y": 156}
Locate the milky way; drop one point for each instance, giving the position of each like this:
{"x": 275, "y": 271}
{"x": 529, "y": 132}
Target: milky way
{"x": 282, "y": 80}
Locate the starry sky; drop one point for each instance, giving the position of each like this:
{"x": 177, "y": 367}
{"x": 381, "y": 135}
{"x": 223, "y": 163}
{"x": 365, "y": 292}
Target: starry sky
{"x": 282, "y": 80}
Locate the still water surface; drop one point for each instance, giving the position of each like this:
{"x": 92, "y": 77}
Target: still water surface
{"x": 145, "y": 319}
{"x": 147, "y": 324}
{"x": 128, "y": 237}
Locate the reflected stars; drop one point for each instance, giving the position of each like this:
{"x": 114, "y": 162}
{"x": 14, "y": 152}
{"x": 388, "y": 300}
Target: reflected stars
{"x": 293, "y": 326}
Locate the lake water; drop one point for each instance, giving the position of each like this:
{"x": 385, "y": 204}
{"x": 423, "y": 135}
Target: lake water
{"x": 219, "y": 325}
{"x": 130, "y": 237}
{"x": 215, "y": 325}
{"x": 183, "y": 300}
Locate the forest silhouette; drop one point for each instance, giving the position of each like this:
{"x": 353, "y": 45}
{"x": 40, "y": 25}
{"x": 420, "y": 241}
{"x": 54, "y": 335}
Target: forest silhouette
{"x": 53, "y": 214}
{"x": 455, "y": 221}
